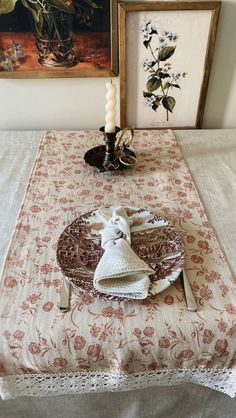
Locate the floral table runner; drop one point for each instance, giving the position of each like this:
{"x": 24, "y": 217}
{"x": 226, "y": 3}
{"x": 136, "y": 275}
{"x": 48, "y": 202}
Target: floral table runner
{"x": 104, "y": 345}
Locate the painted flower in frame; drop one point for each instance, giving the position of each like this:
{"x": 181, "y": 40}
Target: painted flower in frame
{"x": 148, "y": 30}
{"x": 49, "y": 18}
{"x": 11, "y": 58}
{"x": 162, "y": 81}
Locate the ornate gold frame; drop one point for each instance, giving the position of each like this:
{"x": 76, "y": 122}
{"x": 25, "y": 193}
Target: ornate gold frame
{"x": 72, "y": 73}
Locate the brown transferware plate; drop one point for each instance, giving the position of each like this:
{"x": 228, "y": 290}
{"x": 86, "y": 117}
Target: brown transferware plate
{"x": 153, "y": 239}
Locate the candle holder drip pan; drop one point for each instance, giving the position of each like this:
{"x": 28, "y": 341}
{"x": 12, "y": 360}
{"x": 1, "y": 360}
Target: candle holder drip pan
{"x": 95, "y": 157}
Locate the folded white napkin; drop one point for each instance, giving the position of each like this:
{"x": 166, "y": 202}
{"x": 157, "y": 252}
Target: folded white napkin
{"x": 120, "y": 272}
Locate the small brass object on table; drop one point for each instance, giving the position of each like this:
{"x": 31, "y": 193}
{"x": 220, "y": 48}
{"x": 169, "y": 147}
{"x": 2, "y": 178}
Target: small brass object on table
{"x": 115, "y": 154}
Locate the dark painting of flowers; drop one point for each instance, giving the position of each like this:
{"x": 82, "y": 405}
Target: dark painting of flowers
{"x": 57, "y": 38}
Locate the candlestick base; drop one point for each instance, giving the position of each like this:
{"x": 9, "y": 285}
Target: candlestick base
{"x": 95, "y": 157}
{"x": 110, "y": 161}
{"x": 110, "y": 157}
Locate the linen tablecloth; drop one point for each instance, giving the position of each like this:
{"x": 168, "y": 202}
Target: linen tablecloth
{"x": 103, "y": 345}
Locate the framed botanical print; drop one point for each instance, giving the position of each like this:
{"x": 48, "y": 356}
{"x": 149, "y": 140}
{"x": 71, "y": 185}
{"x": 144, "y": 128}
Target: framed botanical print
{"x": 166, "y": 50}
{"x": 57, "y": 38}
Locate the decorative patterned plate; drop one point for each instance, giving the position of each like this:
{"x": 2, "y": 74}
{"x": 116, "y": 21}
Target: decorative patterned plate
{"x": 153, "y": 239}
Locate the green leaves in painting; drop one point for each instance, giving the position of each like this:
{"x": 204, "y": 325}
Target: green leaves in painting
{"x": 153, "y": 84}
{"x": 168, "y": 103}
{"x": 80, "y": 8}
{"x": 161, "y": 79}
{"x": 168, "y": 85}
{"x": 165, "y": 53}
{"x": 7, "y": 6}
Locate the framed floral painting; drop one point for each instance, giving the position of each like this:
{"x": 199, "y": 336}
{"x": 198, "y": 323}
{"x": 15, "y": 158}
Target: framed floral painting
{"x": 58, "y": 38}
{"x": 166, "y": 51}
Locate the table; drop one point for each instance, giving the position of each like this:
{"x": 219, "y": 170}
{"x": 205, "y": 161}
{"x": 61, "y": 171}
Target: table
{"x": 194, "y": 145}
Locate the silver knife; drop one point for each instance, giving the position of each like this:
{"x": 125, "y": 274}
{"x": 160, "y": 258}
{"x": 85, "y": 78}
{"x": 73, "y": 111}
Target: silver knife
{"x": 188, "y": 293}
{"x": 64, "y": 303}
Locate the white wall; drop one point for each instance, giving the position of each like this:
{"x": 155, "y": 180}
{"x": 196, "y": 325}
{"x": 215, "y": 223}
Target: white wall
{"x": 79, "y": 103}
{"x": 220, "y": 110}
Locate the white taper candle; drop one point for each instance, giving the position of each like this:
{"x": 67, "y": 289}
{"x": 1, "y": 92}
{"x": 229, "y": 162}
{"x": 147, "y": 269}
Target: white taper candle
{"x": 110, "y": 107}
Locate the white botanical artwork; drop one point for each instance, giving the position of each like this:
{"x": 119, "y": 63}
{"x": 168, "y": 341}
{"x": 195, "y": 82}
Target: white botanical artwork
{"x": 165, "y": 55}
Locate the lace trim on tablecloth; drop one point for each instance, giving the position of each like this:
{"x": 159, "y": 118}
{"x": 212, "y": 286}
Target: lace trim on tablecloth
{"x": 222, "y": 380}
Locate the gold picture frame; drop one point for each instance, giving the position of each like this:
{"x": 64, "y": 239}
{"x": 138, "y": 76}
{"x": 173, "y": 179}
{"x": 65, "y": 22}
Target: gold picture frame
{"x": 165, "y": 65}
{"x": 96, "y": 53}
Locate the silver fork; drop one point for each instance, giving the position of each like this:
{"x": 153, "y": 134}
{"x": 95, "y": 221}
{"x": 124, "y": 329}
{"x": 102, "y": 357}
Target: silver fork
{"x": 188, "y": 293}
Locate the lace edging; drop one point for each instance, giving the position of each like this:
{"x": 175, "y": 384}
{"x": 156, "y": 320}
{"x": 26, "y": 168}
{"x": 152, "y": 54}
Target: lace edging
{"x": 45, "y": 384}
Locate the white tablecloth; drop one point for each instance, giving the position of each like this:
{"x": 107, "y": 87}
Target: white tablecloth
{"x": 211, "y": 159}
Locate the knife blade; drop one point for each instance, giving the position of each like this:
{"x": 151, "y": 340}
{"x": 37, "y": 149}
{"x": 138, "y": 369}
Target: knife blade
{"x": 188, "y": 293}
{"x": 64, "y": 303}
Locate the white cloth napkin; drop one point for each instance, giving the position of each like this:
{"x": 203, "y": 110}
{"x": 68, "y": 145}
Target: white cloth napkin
{"x": 120, "y": 272}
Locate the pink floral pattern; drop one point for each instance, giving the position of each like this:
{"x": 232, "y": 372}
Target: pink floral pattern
{"x": 112, "y": 335}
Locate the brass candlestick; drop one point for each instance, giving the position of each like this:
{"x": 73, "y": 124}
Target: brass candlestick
{"x": 110, "y": 161}
{"x": 113, "y": 155}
